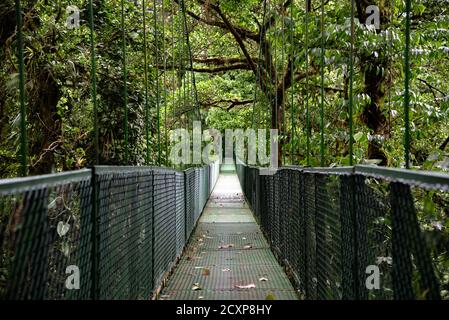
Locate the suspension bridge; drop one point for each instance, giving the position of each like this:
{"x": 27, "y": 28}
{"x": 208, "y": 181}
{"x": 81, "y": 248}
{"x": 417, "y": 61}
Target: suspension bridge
{"x": 150, "y": 229}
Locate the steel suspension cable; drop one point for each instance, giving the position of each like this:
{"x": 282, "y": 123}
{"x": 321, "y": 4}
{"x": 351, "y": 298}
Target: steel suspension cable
{"x": 308, "y": 130}
{"x": 145, "y": 59}
{"x": 322, "y": 87}
{"x": 270, "y": 76}
{"x": 351, "y": 86}
{"x": 23, "y": 115}
{"x": 389, "y": 39}
{"x": 125, "y": 79}
{"x": 292, "y": 91}
{"x": 173, "y": 64}
{"x": 261, "y": 117}
{"x": 158, "y": 125}
{"x": 275, "y": 70}
{"x": 93, "y": 76}
{"x": 182, "y": 69}
{"x": 189, "y": 51}
{"x": 183, "y": 72}
{"x": 164, "y": 79}
{"x": 284, "y": 131}
{"x": 408, "y": 6}
{"x": 258, "y": 78}
{"x": 185, "y": 78}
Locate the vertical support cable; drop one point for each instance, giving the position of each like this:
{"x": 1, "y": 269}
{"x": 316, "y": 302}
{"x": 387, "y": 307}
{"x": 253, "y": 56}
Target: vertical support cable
{"x": 95, "y": 238}
{"x": 183, "y": 70}
{"x": 275, "y": 71}
{"x": 322, "y": 88}
{"x": 292, "y": 91}
{"x": 145, "y": 61}
{"x": 408, "y": 6}
{"x": 23, "y": 115}
{"x": 157, "y": 84}
{"x": 351, "y": 88}
{"x": 189, "y": 51}
{"x": 125, "y": 79}
{"x": 94, "y": 181}
{"x": 284, "y": 131}
{"x": 153, "y": 229}
{"x": 93, "y": 76}
{"x": 270, "y": 78}
{"x": 164, "y": 55}
{"x": 173, "y": 64}
{"x": 389, "y": 39}
{"x": 258, "y": 78}
{"x": 307, "y": 84}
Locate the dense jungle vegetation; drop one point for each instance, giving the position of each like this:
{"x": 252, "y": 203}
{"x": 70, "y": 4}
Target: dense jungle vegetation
{"x": 230, "y": 64}
{"x": 234, "y": 48}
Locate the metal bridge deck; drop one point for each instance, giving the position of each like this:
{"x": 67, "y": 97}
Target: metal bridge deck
{"x": 227, "y": 257}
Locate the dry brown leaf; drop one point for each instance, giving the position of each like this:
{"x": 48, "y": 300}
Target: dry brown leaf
{"x": 206, "y": 271}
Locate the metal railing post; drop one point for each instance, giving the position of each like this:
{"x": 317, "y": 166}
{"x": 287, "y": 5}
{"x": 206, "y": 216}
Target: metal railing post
{"x": 95, "y": 272}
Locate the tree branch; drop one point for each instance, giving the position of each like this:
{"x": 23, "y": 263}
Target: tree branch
{"x": 432, "y": 89}
{"x": 244, "y": 33}
{"x": 239, "y": 66}
{"x": 221, "y": 60}
{"x": 237, "y": 38}
{"x": 232, "y": 103}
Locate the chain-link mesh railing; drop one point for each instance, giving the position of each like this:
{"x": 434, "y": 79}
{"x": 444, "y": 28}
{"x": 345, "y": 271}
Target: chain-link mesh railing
{"x": 45, "y": 228}
{"x": 100, "y": 233}
{"x": 358, "y": 232}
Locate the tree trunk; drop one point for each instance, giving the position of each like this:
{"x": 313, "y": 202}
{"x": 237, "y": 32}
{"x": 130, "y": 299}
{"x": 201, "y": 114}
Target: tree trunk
{"x": 44, "y": 123}
{"x": 372, "y": 115}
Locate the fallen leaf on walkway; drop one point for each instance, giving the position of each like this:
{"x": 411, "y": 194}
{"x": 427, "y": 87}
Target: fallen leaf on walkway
{"x": 243, "y": 238}
{"x": 189, "y": 258}
{"x": 206, "y": 272}
{"x": 249, "y": 286}
{"x": 263, "y": 279}
{"x": 248, "y": 246}
{"x": 196, "y": 287}
{"x": 226, "y": 270}
{"x": 270, "y": 297}
{"x": 200, "y": 298}
{"x": 164, "y": 296}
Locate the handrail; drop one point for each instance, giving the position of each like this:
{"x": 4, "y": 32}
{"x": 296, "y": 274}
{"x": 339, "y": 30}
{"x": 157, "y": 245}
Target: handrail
{"x": 423, "y": 178}
{"x": 20, "y": 184}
